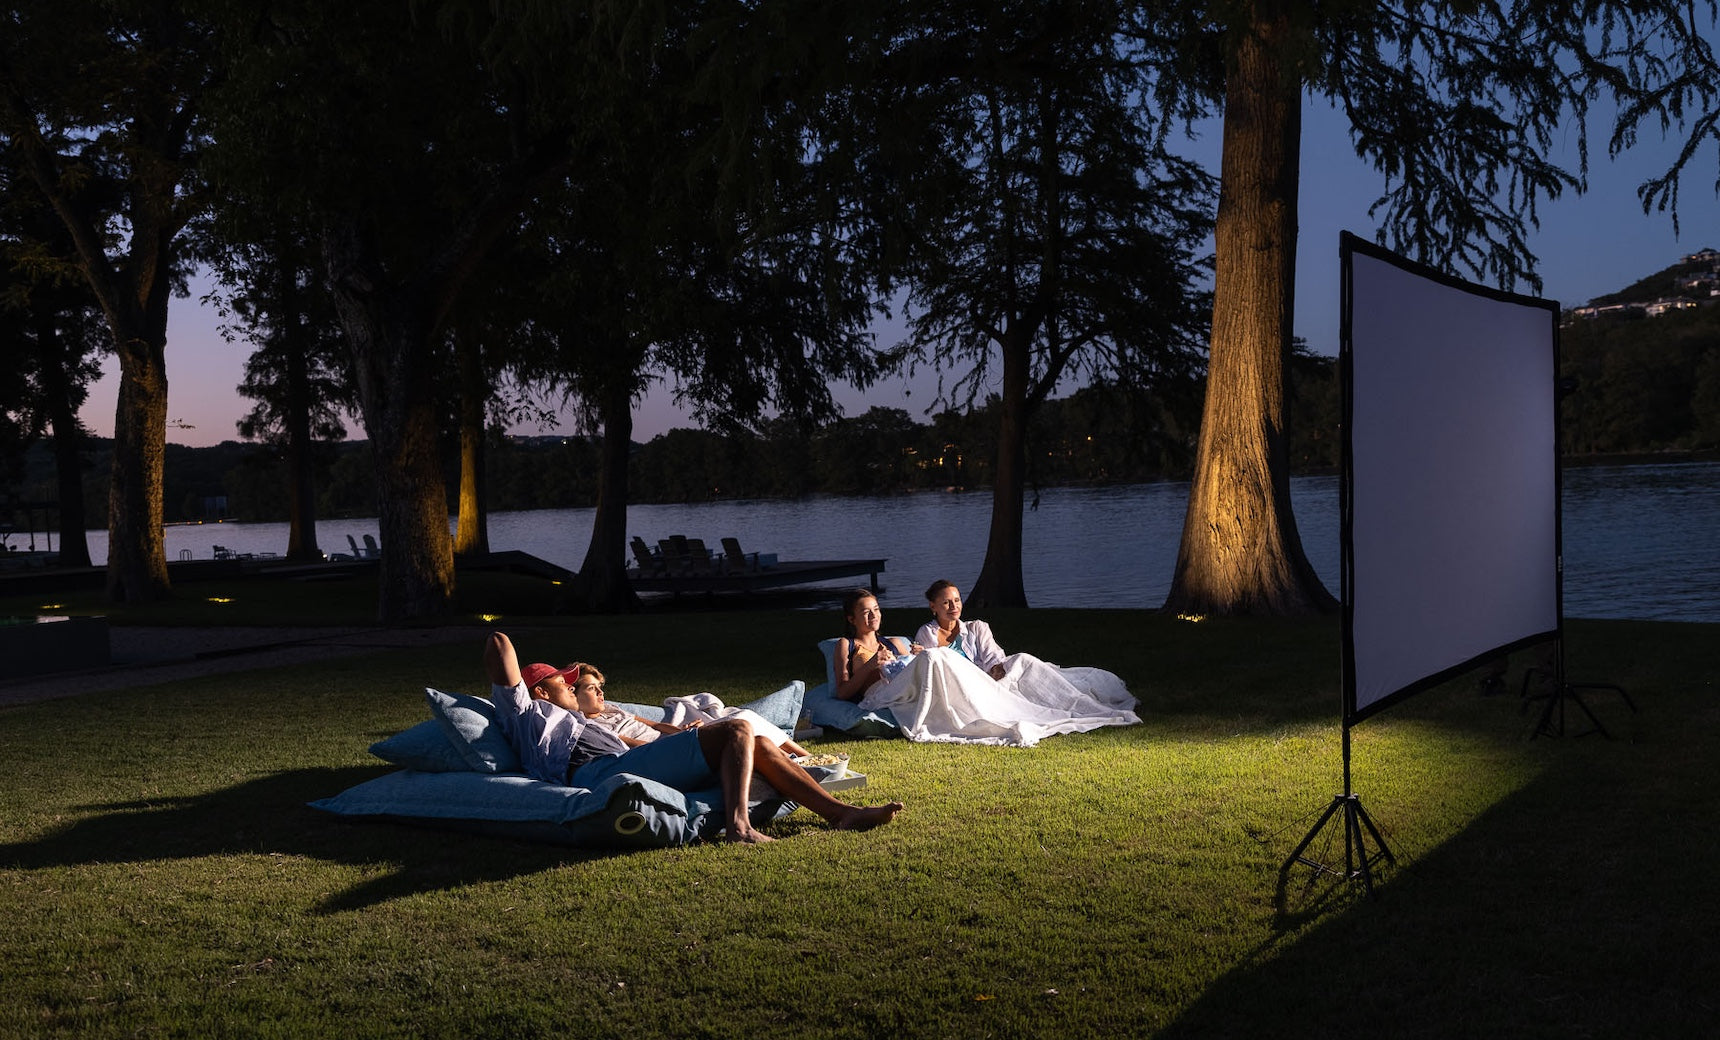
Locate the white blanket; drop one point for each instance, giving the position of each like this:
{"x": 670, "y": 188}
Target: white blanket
{"x": 708, "y": 707}
{"x": 942, "y": 696}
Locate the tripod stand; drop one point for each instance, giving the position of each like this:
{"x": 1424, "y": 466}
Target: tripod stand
{"x": 1559, "y": 692}
{"x": 1358, "y": 827}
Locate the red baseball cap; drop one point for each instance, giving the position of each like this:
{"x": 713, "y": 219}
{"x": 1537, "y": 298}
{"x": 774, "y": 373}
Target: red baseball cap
{"x": 533, "y": 674}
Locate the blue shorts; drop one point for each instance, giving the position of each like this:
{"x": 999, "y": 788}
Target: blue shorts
{"x": 675, "y": 761}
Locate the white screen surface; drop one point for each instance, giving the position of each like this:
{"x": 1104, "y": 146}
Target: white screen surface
{"x": 1451, "y": 532}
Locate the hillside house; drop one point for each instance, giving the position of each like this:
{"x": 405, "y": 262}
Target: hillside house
{"x": 1667, "y": 304}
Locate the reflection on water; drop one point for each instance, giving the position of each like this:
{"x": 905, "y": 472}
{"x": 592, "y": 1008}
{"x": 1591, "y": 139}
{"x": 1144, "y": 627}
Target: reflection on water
{"x": 1639, "y": 541}
{"x": 1643, "y": 541}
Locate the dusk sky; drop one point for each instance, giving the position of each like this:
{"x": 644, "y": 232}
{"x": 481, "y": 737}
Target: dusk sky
{"x": 1587, "y": 246}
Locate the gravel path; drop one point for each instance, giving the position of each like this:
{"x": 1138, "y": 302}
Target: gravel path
{"x": 145, "y": 656}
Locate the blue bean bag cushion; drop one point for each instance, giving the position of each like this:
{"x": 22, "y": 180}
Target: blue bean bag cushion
{"x": 623, "y": 812}
{"x": 847, "y": 717}
{"x": 462, "y": 774}
{"x": 781, "y": 708}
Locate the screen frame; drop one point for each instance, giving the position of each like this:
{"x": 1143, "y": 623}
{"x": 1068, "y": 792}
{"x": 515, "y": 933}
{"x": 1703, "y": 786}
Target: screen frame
{"x": 1357, "y": 705}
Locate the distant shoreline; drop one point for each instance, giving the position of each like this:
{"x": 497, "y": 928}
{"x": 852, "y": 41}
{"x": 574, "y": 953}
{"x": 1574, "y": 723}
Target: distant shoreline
{"x": 1642, "y": 458}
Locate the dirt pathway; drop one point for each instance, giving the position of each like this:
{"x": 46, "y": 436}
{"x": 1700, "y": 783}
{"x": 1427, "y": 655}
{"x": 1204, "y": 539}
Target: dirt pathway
{"x": 145, "y": 655}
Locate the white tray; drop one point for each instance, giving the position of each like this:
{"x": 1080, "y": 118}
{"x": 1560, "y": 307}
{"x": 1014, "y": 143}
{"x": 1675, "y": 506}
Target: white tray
{"x": 851, "y": 780}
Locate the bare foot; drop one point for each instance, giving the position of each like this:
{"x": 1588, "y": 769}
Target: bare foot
{"x": 866, "y": 817}
{"x": 747, "y": 837}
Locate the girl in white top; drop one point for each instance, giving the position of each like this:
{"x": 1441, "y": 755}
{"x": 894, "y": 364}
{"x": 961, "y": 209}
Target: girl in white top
{"x": 971, "y": 639}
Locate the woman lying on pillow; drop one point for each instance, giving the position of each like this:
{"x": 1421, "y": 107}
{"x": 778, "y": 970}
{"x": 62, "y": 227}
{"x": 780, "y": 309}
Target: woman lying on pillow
{"x": 635, "y": 730}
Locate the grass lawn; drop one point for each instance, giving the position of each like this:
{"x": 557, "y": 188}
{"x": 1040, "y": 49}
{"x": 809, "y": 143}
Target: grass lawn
{"x": 162, "y": 876}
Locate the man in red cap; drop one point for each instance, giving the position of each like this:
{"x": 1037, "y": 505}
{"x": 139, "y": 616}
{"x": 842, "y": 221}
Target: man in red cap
{"x": 538, "y": 710}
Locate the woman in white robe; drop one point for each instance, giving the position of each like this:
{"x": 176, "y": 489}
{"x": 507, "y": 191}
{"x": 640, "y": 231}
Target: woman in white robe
{"x": 973, "y": 640}
{"x": 936, "y": 694}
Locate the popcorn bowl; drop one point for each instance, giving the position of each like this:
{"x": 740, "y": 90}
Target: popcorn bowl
{"x": 836, "y": 764}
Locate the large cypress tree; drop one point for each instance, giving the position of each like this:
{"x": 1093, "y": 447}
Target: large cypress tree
{"x": 1460, "y": 106}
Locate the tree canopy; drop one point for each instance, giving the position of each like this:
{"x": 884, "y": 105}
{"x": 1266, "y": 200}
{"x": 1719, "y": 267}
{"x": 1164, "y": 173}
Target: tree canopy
{"x": 1046, "y": 230}
{"x": 588, "y": 197}
{"x": 102, "y": 104}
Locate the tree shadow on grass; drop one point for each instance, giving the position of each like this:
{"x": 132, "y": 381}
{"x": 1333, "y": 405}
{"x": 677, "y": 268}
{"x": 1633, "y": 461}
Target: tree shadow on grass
{"x": 269, "y": 815}
{"x": 1580, "y": 905}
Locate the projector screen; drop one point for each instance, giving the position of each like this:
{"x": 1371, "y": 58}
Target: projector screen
{"x": 1450, "y": 485}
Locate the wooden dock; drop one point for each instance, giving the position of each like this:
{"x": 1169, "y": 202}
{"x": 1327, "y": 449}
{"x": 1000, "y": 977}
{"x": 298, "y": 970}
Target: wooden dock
{"x": 774, "y": 576}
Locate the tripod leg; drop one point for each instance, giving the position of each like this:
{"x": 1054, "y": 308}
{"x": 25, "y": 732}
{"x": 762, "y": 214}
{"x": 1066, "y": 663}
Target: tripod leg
{"x": 1355, "y": 851}
{"x": 1308, "y": 839}
{"x": 1571, "y": 693}
{"x": 1610, "y": 687}
{"x": 1379, "y": 839}
{"x": 1545, "y": 723}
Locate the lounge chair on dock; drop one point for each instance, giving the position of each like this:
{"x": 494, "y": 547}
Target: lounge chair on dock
{"x": 738, "y": 560}
{"x": 651, "y": 564}
{"x": 699, "y": 558}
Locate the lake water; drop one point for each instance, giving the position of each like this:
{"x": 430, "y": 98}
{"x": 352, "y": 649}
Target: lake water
{"x": 1640, "y": 541}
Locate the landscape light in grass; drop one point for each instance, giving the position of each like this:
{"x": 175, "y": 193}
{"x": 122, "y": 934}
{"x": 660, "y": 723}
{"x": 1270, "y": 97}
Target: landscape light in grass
{"x": 1448, "y": 496}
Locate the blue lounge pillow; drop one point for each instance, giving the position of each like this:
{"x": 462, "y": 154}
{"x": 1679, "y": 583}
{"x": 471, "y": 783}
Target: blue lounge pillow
{"x": 469, "y": 723}
{"x": 846, "y": 717}
{"x": 648, "y": 712}
{"x": 624, "y": 811}
{"x": 781, "y": 708}
{"x": 424, "y": 747}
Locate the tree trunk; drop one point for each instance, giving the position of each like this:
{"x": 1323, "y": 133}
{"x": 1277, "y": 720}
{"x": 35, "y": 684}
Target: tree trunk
{"x": 417, "y": 579}
{"x": 601, "y": 586}
{"x": 1000, "y": 582}
{"x": 68, "y": 443}
{"x": 472, "y": 533}
{"x": 1240, "y": 553}
{"x": 69, "y": 469}
{"x": 388, "y": 329}
{"x": 301, "y": 473}
{"x": 137, "y": 550}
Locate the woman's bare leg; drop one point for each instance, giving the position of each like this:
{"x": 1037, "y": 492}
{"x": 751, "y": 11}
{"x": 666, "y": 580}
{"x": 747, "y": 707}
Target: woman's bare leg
{"x": 795, "y": 783}
{"x": 728, "y": 749}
